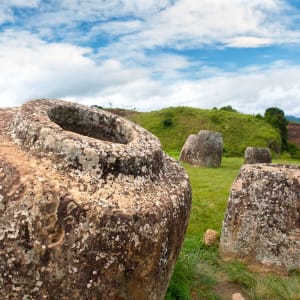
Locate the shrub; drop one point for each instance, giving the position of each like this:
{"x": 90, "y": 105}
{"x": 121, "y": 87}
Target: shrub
{"x": 293, "y": 150}
{"x": 228, "y": 108}
{"x": 167, "y": 122}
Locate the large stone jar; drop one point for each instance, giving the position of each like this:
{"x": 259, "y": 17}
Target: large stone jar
{"x": 261, "y": 225}
{"x": 90, "y": 206}
{"x": 203, "y": 149}
{"x": 256, "y": 155}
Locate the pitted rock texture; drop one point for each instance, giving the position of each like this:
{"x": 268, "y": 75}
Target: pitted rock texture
{"x": 262, "y": 222}
{"x": 203, "y": 149}
{"x": 90, "y": 206}
{"x": 87, "y": 140}
{"x": 255, "y": 155}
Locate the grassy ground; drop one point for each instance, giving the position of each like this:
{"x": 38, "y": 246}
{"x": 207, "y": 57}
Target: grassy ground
{"x": 199, "y": 273}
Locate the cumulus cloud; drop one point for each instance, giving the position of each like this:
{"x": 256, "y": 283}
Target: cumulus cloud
{"x": 6, "y": 8}
{"x": 152, "y": 23}
{"x": 32, "y": 68}
{"x": 21, "y": 3}
{"x": 250, "y": 91}
{"x": 190, "y": 24}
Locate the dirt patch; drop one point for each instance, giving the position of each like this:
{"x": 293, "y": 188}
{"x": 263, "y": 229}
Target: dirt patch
{"x": 225, "y": 290}
{"x": 222, "y": 288}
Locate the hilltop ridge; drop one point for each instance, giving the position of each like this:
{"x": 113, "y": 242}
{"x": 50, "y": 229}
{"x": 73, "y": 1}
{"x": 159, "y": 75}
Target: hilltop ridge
{"x": 173, "y": 125}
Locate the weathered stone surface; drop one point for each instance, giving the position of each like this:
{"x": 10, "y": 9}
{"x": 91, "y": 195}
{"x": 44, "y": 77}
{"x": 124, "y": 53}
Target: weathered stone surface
{"x": 255, "y": 155}
{"x": 203, "y": 149}
{"x": 261, "y": 225}
{"x": 90, "y": 206}
{"x": 210, "y": 237}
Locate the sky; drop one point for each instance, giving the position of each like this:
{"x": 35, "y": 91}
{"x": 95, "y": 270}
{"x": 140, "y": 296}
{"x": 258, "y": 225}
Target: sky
{"x": 151, "y": 54}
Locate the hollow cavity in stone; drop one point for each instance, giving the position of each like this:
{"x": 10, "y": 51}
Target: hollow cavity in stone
{"x": 88, "y": 123}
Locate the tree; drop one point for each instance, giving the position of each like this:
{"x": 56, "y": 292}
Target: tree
{"x": 275, "y": 116}
{"x": 228, "y": 108}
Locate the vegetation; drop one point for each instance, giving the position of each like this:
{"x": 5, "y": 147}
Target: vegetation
{"x": 275, "y": 116}
{"x": 173, "y": 125}
{"x": 228, "y": 108}
{"x": 199, "y": 272}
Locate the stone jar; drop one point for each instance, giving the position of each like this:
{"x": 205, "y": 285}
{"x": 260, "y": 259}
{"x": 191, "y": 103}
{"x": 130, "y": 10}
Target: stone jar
{"x": 261, "y": 226}
{"x": 90, "y": 206}
{"x": 203, "y": 149}
{"x": 256, "y": 155}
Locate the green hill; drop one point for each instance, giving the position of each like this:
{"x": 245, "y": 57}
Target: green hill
{"x": 173, "y": 125}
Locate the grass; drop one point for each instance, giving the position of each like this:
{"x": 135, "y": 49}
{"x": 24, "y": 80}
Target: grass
{"x": 199, "y": 269}
{"x": 211, "y": 188}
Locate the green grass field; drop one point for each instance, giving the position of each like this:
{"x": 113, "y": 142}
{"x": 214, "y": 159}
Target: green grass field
{"x": 199, "y": 272}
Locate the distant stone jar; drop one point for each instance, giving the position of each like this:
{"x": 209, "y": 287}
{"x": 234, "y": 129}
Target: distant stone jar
{"x": 90, "y": 205}
{"x": 261, "y": 226}
{"x": 203, "y": 149}
{"x": 254, "y": 155}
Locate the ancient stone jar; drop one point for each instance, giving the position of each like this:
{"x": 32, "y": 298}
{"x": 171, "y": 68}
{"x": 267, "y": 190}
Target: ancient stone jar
{"x": 90, "y": 206}
{"x": 254, "y": 155}
{"x": 203, "y": 149}
{"x": 262, "y": 222}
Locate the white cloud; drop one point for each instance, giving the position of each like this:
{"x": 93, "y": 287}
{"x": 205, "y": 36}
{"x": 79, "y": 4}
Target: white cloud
{"x": 70, "y": 12}
{"x": 140, "y": 24}
{"x": 248, "y": 42}
{"x": 6, "y": 12}
{"x": 250, "y": 91}
{"x": 32, "y": 68}
{"x": 5, "y": 15}
{"x": 21, "y": 3}
{"x": 194, "y": 24}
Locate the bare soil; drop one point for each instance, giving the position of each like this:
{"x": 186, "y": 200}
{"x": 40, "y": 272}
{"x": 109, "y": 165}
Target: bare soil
{"x": 225, "y": 290}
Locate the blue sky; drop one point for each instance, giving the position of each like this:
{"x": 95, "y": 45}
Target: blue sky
{"x": 149, "y": 54}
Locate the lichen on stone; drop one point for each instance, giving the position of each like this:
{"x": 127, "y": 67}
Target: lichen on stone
{"x": 91, "y": 207}
{"x": 261, "y": 225}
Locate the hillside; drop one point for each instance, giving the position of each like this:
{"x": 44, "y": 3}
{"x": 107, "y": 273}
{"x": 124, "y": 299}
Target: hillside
{"x": 173, "y": 125}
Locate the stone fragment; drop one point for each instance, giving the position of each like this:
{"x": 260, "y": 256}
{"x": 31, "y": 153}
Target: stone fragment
{"x": 237, "y": 296}
{"x": 210, "y": 237}
{"x": 261, "y": 225}
{"x": 90, "y": 206}
{"x": 203, "y": 149}
{"x": 254, "y": 155}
